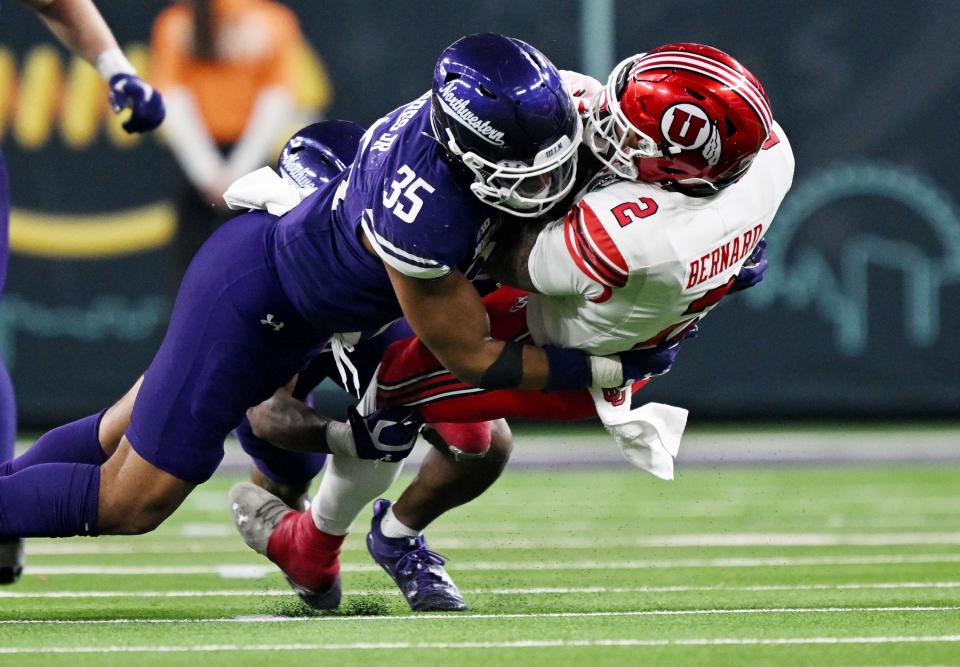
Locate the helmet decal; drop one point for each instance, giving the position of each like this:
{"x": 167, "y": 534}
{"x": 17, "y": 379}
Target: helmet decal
{"x": 458, "y": 108}
{"x": 686, "y": 125}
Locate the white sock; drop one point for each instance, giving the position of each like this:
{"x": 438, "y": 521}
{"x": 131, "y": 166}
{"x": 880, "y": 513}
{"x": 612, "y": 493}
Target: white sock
{"x": 391, "y": 526}
{"x": 347, "y": 486}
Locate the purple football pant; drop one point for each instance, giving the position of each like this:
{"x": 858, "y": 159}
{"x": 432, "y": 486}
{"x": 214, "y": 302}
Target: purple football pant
{"x": 233, "y": 339}
{"x": 287, "y": 467}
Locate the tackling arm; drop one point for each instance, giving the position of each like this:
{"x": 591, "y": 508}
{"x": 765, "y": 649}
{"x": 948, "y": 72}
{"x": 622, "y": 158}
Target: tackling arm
{"x": 509, "y": 261}
{"x": 449, "y": 316}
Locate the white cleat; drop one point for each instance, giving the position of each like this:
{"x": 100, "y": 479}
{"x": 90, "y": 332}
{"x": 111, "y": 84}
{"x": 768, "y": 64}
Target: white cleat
{"x": 256, "y": 513}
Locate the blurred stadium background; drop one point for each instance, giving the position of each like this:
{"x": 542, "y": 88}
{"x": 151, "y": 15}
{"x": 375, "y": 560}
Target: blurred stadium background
{"x": 857, "y": 318}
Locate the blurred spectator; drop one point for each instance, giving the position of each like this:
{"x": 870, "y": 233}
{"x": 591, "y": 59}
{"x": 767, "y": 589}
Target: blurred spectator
{"x": 228, "y": 70}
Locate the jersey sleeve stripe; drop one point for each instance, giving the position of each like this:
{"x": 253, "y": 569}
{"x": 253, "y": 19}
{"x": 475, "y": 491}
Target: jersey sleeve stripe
{"x": 595, "y": 260}
{"x": 592, "y": 248}
{"x": 401, "y": 260}
{"x": 601, "y": 241}
{"x": 573, "y": 248}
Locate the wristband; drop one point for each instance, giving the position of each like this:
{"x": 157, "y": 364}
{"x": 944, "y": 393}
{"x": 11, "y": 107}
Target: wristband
{"x": 569, "y": 369}
{"x": 605, "y": 372}
{"x": 112, "y": 62}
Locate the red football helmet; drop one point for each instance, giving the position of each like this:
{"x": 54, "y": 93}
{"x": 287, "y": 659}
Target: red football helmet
{"x": 687, "y": 117}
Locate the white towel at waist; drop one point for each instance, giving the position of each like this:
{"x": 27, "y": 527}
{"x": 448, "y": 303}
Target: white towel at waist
{"x": 648, "y": 436}
{"x": 263, "y": 190}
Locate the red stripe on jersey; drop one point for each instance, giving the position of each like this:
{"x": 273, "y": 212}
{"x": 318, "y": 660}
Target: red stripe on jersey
{"x": 602, "y": 242}
{"x": 596, "y": 262}
{"x": 573, "y": 248}
{"x": 592, "y": 249}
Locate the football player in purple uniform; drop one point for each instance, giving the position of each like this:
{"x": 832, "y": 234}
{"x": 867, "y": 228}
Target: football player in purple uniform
{"x": 397, "y": 234}
{"x": 79, "y": 26}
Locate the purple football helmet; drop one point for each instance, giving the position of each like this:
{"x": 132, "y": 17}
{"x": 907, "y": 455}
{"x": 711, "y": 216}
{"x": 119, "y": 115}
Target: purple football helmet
{"x": 500, "y": 107}
{"x": 317, "y": 153}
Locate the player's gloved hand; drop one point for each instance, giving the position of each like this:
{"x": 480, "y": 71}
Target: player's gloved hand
{"x": 584, "y": 89}
{"x": 145, "y": 102}
{"x": 752, "y": 270}
{"x": 651, "y": 362}
{"x": 386, "y": 434}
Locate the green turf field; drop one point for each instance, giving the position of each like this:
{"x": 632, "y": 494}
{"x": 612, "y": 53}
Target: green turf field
{"x": 812, "y": 566}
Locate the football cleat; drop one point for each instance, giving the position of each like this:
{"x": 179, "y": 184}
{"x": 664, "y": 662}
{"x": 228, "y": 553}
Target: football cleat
{"x": 11, "y": 560}
{"x": 257, "y": 513}
{"x": 416, "y": 570}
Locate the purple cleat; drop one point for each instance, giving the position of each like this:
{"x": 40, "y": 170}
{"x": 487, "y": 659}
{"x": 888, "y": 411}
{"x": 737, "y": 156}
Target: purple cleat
{"x": 416, "y": 570}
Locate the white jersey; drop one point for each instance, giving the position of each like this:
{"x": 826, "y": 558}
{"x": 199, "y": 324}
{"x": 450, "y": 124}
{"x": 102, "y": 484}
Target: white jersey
{"x": 632, "y": 265}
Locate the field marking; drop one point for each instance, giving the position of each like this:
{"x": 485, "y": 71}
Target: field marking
{"x": 524, "y": 543}
{"x": 459, "y": 616}
{"x": 525, "y": 643}
{"x": 282, "y": 592}
{"x": 255, "y": 571}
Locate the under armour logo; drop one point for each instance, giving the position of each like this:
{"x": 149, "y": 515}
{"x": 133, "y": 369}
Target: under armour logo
{"x": 241, "y": 517}
{"x": 270, "y": 323}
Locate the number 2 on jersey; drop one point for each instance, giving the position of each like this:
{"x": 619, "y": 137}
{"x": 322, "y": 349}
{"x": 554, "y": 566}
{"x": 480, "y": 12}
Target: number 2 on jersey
{"x": 631, "y": 211}
{"x": 405, "y": 185}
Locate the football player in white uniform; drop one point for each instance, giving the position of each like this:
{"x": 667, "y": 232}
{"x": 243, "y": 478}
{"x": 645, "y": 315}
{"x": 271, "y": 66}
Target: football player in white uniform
{"x": 654, "y": 240}
{"x": 694, "y": 171}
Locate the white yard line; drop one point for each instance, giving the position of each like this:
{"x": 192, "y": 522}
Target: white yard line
{"x": 525, "y": 643}
{"x": 460, "y": 616}
{"x": 253, "y": 571}
{"x": 585, "y": 590}
{"x": 520, "y": 543}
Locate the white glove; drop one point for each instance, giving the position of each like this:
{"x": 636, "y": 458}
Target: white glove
{"x": 583, "y": 88}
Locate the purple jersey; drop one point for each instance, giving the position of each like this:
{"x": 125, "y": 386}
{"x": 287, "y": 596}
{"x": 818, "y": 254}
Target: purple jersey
{"x": 416, "y": 210}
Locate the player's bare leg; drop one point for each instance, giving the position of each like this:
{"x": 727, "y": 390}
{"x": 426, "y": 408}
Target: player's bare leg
{"x": 446, "y": 480}
{"x": 87, "y": 442}
{"x": 104, "y": 487}
{"x": 294, "y": 496}
{"x": 116, "y": 419}
{"x": 136, "y": 496}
